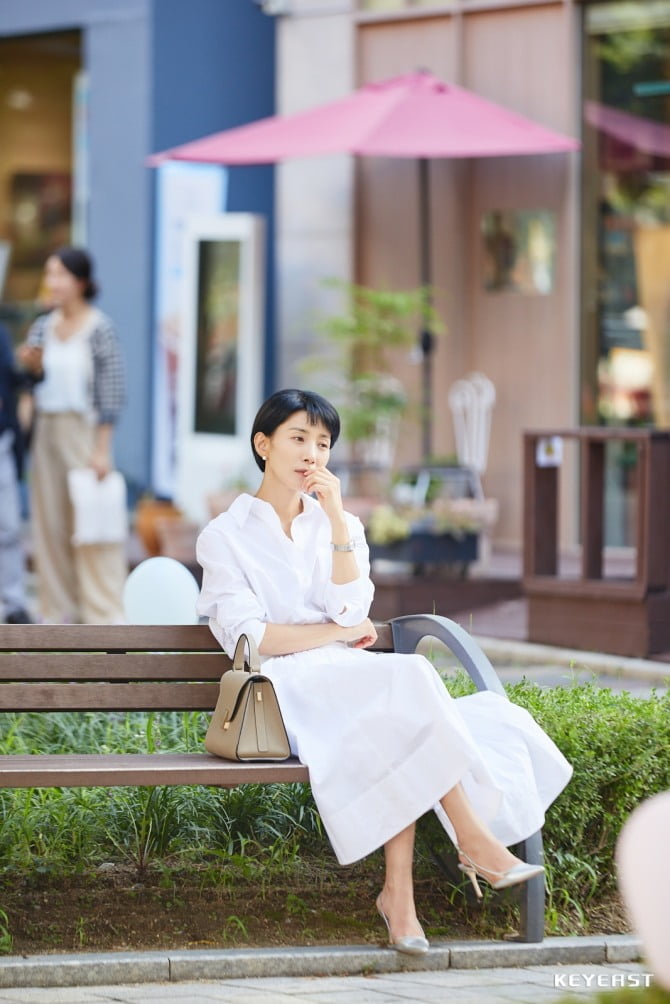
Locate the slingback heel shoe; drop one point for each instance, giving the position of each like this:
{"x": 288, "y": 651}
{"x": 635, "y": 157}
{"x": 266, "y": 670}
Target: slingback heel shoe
{"x": 513, "y": 876}
{"x": 409, "y": 945}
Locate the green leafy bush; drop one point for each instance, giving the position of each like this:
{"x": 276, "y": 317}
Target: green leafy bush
{"x": 618, "y": 745}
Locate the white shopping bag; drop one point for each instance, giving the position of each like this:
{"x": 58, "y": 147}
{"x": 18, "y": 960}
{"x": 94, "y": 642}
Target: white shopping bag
{"x": 100, "y": 507}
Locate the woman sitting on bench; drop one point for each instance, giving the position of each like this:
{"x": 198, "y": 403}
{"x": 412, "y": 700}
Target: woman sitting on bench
{"x": 382, "y": 738}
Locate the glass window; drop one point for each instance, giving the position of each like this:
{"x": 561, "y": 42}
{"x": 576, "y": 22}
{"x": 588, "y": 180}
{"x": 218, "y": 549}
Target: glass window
{"x": 626, "y": 226}
{"x": 38, "y": 183}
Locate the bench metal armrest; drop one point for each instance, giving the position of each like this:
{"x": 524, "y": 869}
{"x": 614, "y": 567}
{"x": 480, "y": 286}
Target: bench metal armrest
{"x": 410, "y": 630}
{"x": 407, "y": 632}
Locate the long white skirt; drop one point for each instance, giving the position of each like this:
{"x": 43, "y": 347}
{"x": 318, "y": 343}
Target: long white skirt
{"x": 384, "y": 741}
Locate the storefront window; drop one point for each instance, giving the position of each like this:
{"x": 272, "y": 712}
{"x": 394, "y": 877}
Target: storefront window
{"x": 626, "y": 230}
{"x": 40, "y": 105}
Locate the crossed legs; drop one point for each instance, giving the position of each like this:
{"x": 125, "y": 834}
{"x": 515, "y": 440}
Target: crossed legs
{"x": 473, "y": 836}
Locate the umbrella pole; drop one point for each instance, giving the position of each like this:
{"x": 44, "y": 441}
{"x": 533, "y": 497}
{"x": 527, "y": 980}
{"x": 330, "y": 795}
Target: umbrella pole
{"x": 426, "y": 337}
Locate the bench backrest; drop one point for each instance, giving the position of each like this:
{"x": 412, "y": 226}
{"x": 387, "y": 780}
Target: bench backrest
{"x": 58, "y": 667}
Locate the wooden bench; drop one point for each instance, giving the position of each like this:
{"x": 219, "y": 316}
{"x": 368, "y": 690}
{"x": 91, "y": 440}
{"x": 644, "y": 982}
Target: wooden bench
{"x": 177, "y": 668}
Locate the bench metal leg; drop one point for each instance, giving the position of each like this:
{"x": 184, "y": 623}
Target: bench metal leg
{"x": 532, "y": 894}
{"x": 407, "y": 633}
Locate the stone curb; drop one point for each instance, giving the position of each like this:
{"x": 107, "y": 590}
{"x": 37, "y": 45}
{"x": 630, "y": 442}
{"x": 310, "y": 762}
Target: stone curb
{"x": 529, "y": 653}
{"x": 105, "y": 969}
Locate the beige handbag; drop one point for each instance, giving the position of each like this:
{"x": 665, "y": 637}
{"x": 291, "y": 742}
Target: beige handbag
{"x": 247, "y": 723}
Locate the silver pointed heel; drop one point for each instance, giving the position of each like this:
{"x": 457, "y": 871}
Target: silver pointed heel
{"x": 513, "y": 876}
{"x": 409, "y": 945}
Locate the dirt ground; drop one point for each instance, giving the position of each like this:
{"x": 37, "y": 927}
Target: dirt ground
{"x": 111, "y": 910}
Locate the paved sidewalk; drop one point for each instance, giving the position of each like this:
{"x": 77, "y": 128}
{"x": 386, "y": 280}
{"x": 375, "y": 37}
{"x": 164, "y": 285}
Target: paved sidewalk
{"x": 488, "y": 972}
{"x": 532, "y": 984}
{"x": 500, "y": 630}
{"x": 553, "y": 667}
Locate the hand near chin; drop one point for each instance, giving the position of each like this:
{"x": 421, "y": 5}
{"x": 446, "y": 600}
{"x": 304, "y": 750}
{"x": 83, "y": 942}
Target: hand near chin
{"x": 326, "y": 486}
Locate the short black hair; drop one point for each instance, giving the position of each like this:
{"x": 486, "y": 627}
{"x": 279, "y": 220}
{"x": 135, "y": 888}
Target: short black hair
{"x": 284, "y": 403}
{"x": 80, "y": 264}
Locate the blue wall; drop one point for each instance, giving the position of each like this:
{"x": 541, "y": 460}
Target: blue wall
{"x": 119, "y": 215}
{"x": 226, "y": 55}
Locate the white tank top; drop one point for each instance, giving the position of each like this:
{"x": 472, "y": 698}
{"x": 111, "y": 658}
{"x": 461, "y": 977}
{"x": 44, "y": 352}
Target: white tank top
{"x": 68, "y": 370}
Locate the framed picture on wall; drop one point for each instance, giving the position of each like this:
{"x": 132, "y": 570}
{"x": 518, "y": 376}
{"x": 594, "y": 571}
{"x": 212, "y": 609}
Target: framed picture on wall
{"x": 221, "y": 358}
{"x": 519, "y": 251}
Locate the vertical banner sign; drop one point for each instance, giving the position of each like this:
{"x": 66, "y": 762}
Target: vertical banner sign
{"x": 182, "y": 190}
{"x": 221, "y": 357}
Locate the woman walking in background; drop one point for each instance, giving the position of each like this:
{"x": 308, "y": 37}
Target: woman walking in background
{"x": 382, "y": 738}
{"x": 77, "y": 405}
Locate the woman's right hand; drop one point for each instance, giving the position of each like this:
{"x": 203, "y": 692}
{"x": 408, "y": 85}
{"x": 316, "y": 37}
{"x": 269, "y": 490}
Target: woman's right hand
{"x": 30, "y": 357}
{"x": 361, "y": 635}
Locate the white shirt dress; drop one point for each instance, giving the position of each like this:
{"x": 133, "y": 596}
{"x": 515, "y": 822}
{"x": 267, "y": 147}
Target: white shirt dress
{"x": 379, "y": 732}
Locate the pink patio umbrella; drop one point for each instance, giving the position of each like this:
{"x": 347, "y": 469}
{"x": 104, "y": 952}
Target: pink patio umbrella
{"x": 415, "y": 115}
{"x": 642, "y": 134}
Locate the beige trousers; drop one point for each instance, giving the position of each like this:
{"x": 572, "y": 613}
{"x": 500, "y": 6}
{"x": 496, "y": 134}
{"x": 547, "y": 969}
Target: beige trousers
{"x": 74, "y": 584}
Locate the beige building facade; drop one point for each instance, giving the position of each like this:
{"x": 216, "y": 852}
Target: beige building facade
{"x": 522, "y": 269}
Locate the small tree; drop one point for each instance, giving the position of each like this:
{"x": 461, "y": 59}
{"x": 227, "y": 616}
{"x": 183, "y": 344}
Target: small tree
{"x": 370, "y": 399}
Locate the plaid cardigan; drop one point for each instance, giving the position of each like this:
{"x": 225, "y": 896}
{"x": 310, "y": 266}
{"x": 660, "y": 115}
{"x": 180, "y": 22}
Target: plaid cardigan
{"x": 108, "y": 390}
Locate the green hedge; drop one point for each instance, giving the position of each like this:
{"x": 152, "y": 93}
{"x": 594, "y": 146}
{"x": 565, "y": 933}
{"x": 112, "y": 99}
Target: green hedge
{"x": 618, "y": 745}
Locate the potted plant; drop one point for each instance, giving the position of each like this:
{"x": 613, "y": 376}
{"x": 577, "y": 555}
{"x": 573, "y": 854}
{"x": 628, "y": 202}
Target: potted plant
{"x": 444, "y": 531}
{"x": 371, "y": 400}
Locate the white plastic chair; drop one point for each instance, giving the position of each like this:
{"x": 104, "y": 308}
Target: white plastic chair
{"x": 471, "y": 401}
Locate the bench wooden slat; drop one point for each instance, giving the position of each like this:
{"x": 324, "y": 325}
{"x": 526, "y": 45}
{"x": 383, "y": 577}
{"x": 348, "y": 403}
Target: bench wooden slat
{"x": 384, "y": 641}
{"x": 148, "y": 770}
{"x": 189, "y": 666}
{"x": 126, "y": 638}
{"x": 108, "y": 696}
{"x": 107, "y": 638}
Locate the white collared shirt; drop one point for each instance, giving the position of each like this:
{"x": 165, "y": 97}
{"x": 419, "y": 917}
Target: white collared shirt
{"x": 254, "y": 574}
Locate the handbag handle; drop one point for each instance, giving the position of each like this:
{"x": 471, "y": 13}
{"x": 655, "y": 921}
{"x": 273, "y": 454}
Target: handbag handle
{"x": 239, "y": 662}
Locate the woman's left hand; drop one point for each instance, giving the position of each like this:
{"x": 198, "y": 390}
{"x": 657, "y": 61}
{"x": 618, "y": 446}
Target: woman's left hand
{"x": 326, "y": 486}
{"x": 101, "y": 462}
{"x": 101, "y": 454}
